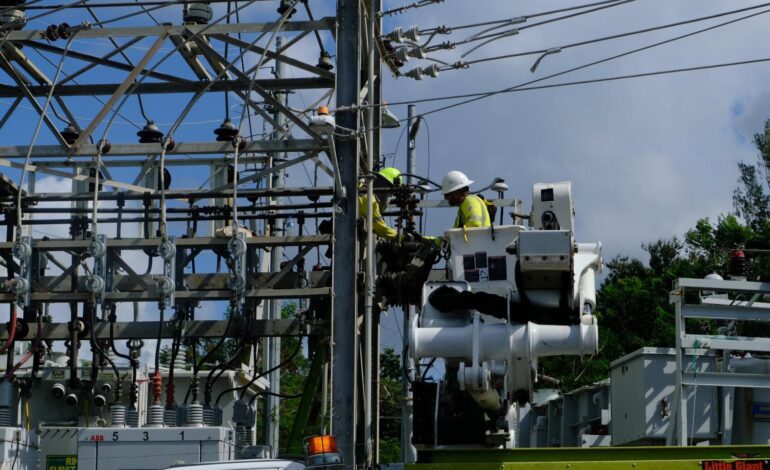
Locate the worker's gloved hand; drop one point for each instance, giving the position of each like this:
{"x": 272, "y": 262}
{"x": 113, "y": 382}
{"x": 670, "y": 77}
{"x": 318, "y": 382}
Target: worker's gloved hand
{"x": 438, "y": 241}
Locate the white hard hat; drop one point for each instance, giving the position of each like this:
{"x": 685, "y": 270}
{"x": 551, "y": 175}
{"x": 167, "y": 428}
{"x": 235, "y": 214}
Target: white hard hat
{"x": 453, "y": 181}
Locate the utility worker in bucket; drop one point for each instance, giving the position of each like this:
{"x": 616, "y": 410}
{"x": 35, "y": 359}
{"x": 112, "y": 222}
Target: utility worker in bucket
{"x": 385, "y": 178}
{"x": 471, "y": 209}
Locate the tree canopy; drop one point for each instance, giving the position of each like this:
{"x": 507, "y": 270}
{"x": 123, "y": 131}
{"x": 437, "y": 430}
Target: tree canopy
{"x": 632, "y": 303}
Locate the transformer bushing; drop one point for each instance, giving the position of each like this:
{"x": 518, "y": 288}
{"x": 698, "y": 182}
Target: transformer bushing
{"x": 155, "y": 416}
{"x": 239, "y": 438}
{"x": 132, "y": 418}
{"x": 180, "y": 362}
{"x": 250, "y": 437}
{"x": 194, "y": 415}
{"x": 118, "y": 416}
{"x": 208, "y": 416}
{"x": 169, "y": 417}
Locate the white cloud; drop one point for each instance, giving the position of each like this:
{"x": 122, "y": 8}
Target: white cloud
{"x": 647, "y": 157}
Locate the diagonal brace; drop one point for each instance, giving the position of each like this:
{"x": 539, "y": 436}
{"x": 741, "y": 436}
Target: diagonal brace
{"x": 140, "y": 66}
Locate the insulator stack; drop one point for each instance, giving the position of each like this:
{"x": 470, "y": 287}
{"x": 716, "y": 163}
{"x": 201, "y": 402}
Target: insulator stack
{"x": 5, "y": 417}
{"x": 737, "y": 267}
{"x": 132, "y": 418}
{"x": 157, "y": 386}
{"x": 118, "y": 416}
{"x": 195, "y": 415}
{"x": 194, "y": 388}
{"x": 239, "y": 439}
{"x": 250, "y": 436}
{"x": 208, "y": 416}
{"x": 180, "y": 362}
{"x": 170, "y": 395}
{"x": 169, "y": 417}
{"x": 133, "y": 394}
{"x": 155, "y": 416}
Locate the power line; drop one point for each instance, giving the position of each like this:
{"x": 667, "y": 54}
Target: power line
{"x": 482, "y": 95}
{"x": 519, "y": 18}
{"x": 641, "y": 75}
{"x": 493, "y": 37}
{"x": 597, "y": 62}
{"x": 618, "y": 36}
{"x": 81, "y": 4}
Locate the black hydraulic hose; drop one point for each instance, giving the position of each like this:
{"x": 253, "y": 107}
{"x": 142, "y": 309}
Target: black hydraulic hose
{"x": 194, "y": 361}
{"x": 96, "y": 350}
{"x": 199, "y": 364}
{"x": 175, "y": 346}
{"x": 197, "y": 367}
{"x": 157, "y": 345}
{"x": 112, "y": 342}
{"x": 209, "y": 382}
{"x": 257, "y": 376}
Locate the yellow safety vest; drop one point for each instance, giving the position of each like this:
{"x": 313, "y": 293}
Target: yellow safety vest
{"x": 472, "y": 213}
{"x": 379, "y": 227}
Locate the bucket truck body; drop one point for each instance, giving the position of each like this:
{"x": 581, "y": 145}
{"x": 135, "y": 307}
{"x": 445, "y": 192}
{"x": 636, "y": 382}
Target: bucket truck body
{"x": 516, "y": 293}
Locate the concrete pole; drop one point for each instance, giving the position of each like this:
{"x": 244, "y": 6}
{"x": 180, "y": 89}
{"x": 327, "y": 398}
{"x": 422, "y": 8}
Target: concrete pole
{"x": 410, "y": 143}
{"x": 369, "y": 268}
{"x": 377, "y": 152}
{"x": 345, "y": 245}
{"x": 273, "y": 402}
{"x": 408, "y": 452}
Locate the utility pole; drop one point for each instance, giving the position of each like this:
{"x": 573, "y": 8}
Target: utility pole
{"x": 273, "y": 402}
{"x": 411, "y": 122}
{"x": 408, "y": 452}
{"x": 369, "y": 262}
{"x": 345, "y": 244}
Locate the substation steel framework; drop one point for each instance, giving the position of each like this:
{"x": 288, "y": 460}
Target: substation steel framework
{"x": 93, "y": 272}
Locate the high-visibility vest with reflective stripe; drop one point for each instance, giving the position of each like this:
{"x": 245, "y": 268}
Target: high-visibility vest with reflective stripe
{"x": 379, "y": 227}
{"x": 472, "y": 213}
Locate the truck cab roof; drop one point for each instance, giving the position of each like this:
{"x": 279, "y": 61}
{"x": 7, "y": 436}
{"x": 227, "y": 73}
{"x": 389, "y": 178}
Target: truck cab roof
{"x": 255, "y": 464}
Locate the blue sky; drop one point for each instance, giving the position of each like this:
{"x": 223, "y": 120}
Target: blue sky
{"x": 647, "y": 157}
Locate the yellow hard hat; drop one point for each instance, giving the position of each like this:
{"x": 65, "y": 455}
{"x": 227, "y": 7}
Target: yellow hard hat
{"x": 392, "y": 175}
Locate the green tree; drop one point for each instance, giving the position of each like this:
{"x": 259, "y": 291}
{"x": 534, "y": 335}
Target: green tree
{"x": 391, "y": 379}
{"x": 751, "y": 199}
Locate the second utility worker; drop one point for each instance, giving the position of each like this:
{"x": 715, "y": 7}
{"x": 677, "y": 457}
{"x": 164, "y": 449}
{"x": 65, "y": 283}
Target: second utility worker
{"x": 471, "y": 209}
{"x": 385, "y": 178}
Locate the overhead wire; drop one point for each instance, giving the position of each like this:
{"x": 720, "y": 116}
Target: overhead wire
{"x": 618, "y": 36}
{"x": 120, "y": 4}
{"x": 509, "y": 20}
{"x": 36, "y": 133}
{"x": 502, "y": 34}
{"x": 257, "y": 375}
{"x": 473, "y": 97}
{"x": 54, "y": 9}
{"x": 178, "y": 121}
{"x": 123, "y": 54}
